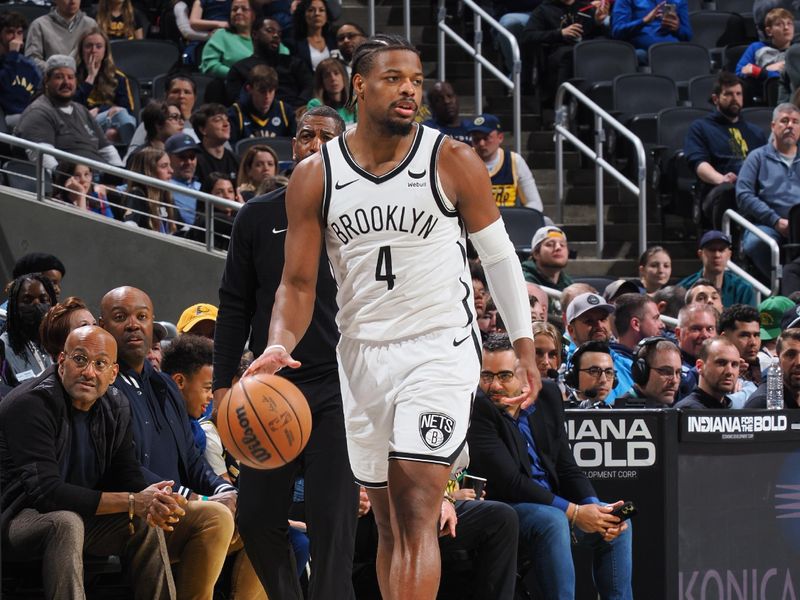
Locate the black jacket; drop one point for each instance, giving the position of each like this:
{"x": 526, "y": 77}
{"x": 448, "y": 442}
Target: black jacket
{"x": 295, "y": 78}
{"x": 252, "y": 275}
{"x": 195, "y": 474}
{"x": 551, "y": 16}
{"x": 35, "y": 438}
{"x": 499, "y": 453}
{"x": 699, "y": 399}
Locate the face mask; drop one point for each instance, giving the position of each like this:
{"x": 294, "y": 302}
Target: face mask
{"x": 31, "y": 316}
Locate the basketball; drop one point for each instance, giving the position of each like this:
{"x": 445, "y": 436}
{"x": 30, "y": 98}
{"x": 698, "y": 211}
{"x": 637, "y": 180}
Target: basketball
{"x": 264, "y": 421}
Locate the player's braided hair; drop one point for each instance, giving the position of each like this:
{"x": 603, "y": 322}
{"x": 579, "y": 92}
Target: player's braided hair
{"x": 364, "y": 55}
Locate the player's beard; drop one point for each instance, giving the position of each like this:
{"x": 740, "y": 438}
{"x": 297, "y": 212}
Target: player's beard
{"x": 398, "y": 127}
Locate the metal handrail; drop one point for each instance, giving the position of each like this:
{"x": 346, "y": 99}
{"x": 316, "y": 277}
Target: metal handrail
{"x": 40, "y": 150}
{"x": 480, "y": 61}
{"x": 775, "y": 271}
{"x": 600, "y": 117}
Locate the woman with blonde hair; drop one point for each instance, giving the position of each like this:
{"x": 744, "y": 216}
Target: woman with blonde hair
{"x": 150, "y": 207}
{"x": 103, "y": 88}
{"x": 258, "y": 163}
{"x": 332, "y": 88}
{"x": 119, "y": 20}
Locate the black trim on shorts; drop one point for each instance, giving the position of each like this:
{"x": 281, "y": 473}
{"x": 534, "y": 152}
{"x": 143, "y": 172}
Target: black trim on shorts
{"x": 478, "y": 350}
{"x": 326, "y": 196}
{"x": 437, "y": 146}
{"x": 437, "y": 460}
{"x": 386, "y": 176}
{"x": 370, "y": 485}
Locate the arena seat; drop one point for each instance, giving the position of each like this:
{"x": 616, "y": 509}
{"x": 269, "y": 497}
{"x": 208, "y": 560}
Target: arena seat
{"x": 28, "y": 10}
{"x": 597, "y": 62}
{"x": 144, "y": 59}
{"x": 731, "y": 55}
{"x": 521, "y": 223}
{"x": 598, "y": 283}
{"x": 742, "y": 7}
{"x": 21, "y": 174}
{"x": 760, "y": 116}
{"x": 715, "y": 29}
{"x": 680, "y": 61}
{"x": 637, "y": 99}
{"x": 699, "y": 91}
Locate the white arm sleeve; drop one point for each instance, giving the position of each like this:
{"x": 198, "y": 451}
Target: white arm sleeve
{"x": 504, "y": 276}
{"x": 110, "y": 154}
{"x": 48, "y": 160}
{"x": 527, "y": 184}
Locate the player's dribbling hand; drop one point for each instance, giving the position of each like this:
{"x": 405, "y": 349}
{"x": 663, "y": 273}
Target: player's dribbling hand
{"x": 273, "y": 359}
{"x": 529, "y": 373}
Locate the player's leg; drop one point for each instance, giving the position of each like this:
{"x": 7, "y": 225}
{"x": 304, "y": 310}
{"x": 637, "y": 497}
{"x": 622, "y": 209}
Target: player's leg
{"x": 331, "y": 497}
{"x": 262, "y": 513}
{"x": 415, "y": 494}
{"x": 379, "y": 499}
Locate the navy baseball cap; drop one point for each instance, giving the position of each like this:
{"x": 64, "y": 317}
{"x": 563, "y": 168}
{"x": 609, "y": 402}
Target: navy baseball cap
{"x": 485, "y": 123}
{"x": 180, "y": 142}
{"x": 713, "y": 236}
{"x": 791, "y": 318}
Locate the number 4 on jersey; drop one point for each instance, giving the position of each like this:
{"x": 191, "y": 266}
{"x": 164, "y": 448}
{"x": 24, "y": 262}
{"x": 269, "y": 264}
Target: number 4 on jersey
{"x": 383, "y": 271}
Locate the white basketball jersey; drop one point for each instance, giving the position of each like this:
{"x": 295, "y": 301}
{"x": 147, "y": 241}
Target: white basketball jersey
{"x": 396, "y": 245}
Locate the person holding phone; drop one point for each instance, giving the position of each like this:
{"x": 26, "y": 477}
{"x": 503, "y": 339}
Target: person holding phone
{"x": 556, "y": 26}
{"x": 647, "y": 22}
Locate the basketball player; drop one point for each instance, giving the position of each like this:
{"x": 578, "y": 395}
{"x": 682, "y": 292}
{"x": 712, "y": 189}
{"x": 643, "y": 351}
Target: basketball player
{"x": 392, "y": 199}
{"x": 251, "y": 278}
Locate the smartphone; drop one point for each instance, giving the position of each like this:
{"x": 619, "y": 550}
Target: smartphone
{"x": 626, "y": 511}
{"x": 670, "y": 9}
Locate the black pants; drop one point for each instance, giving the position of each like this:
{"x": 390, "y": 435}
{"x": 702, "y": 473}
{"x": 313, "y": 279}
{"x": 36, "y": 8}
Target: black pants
{"x": 479, "y": 563}
{"x": 331, "y": 504}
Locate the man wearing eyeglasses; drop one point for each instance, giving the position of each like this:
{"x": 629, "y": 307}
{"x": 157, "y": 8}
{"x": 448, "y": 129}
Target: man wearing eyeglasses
{"x": 70, "y": 478}
{"x": 591, "y": 375}
{"x": 525, "y": 456}
{"x": 656, "y": 375}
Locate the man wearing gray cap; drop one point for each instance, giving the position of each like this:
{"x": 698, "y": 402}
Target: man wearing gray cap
{"x": 55, "y": 121}
{"x": 549, "y": 256}
{"x": 182, "y": 150}
{"x": 588, "y": 320}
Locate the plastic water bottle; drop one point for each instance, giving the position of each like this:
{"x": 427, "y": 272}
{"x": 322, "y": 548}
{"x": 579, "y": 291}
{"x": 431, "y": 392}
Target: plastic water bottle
{"x": 775, "y": 386}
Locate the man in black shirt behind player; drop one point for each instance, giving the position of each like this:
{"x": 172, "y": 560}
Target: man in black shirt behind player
{"x": 247, "y": 292}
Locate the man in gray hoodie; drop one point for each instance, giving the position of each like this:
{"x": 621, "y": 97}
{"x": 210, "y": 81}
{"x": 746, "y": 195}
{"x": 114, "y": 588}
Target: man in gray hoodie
{"x": 769, "y": 185}
{"x": 57, "y": 32}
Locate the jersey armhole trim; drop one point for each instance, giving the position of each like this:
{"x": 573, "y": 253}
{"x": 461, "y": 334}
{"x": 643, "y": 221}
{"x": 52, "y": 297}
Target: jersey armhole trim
{"x": 442, "y": 201}
{"x": 386, "y": 176}
{"x": 326, "y": 193}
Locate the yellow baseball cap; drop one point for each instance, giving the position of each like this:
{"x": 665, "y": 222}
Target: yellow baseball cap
{"x": 194, "y": 314}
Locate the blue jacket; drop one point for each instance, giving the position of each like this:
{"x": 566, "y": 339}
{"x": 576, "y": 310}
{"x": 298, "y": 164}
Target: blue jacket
{"x": 767, "y": 187}
{"x": 195, "y": 474}
{"x": 720, "y": 143}
{"x": 627, "y": 23}
{"x": 761, "y": 55}
{"x": 19, "y": 80}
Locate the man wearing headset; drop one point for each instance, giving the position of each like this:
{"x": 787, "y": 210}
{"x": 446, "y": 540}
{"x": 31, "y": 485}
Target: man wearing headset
{"x": 590, "y": 375}
{"x": 656, "y": 372}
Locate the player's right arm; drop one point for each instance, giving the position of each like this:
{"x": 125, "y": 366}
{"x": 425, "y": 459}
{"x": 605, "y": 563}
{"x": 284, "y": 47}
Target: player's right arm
{"x": 294, "y": 300}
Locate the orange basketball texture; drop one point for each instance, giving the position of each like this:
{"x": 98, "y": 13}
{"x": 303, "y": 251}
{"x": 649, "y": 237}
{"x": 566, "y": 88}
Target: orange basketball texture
{"x": 264, "y": 421}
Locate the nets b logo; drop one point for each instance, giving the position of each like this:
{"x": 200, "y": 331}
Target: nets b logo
{"x": 435, "y": 429}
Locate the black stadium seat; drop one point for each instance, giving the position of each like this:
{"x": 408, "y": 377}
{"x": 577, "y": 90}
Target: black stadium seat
{"x": 680, "y": 61}
{"x": 144, "y": 59}
{"x": 731, "y": 56}
{"x": 714, "y": 30}
{"x": 700, "y": 89}
{"x": 742, "y": 7}
{"x": 637, "y": 99}
{"x": 29, "y": 11}
{"x": 760, "y": 116}
{"x": 597, "y": 62}
{"x": 521, "y": 223}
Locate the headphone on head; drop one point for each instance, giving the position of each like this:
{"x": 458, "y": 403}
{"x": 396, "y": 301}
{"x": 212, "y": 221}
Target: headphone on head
{"x": 572, "y": 374}
{"x": 640, "y": 369}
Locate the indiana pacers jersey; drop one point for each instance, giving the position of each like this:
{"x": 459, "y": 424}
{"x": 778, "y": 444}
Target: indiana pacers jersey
{"x": 396, "y": 245}
{"x": 504, "y": 181}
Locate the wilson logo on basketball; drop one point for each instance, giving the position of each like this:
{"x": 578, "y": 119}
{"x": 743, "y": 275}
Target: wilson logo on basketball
{"x": 249, "y": 438}
{"x": 435, "y": 429}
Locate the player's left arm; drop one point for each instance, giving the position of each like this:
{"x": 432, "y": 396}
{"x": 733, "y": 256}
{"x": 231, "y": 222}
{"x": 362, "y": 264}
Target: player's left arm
{"x": 465, "y": 182}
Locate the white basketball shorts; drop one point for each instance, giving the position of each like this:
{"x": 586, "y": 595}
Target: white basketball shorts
{"x": 407, "y": 400}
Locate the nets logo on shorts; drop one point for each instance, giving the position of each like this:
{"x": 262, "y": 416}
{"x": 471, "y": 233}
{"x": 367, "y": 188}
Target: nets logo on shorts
{"x": 435, "y": 429}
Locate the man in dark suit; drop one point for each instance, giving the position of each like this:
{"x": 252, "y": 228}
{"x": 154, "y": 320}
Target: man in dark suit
{"x": 525, "y": 455}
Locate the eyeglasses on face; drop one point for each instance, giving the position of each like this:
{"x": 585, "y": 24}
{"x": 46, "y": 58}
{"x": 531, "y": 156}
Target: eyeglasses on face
{"x": 596, "y": 372}
{"x": 82, "y": 362}
{"x": 487, "y": 377}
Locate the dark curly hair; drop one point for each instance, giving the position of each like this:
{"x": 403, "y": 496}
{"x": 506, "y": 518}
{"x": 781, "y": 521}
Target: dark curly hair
{"x": 187, "y": 354}
{"x": 16, "y": 338}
